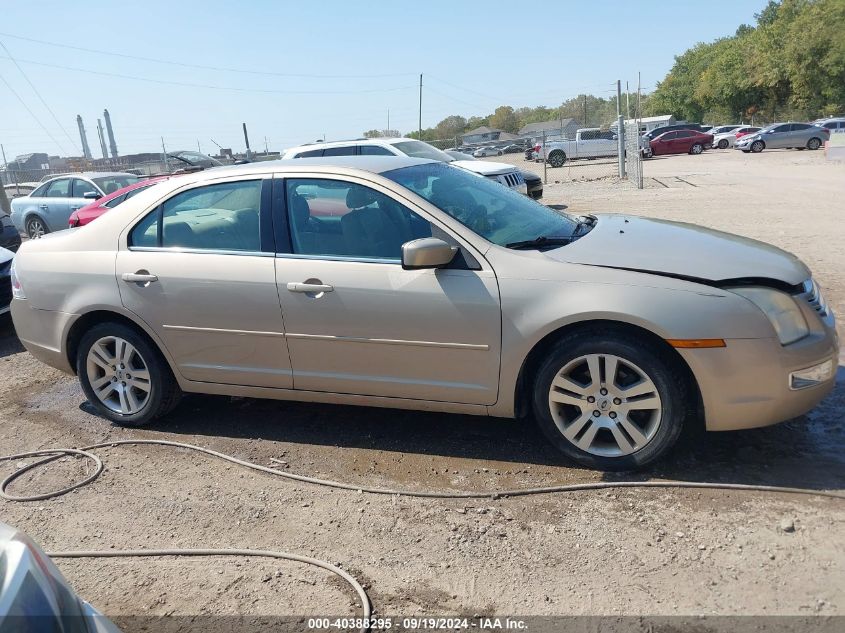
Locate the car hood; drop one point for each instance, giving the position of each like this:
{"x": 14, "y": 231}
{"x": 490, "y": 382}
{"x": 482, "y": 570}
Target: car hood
{"x": 680, "y": 250}
{"x": 484, "y": 167}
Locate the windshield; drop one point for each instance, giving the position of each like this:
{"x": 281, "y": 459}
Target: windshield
{"x": 418, "y": 149}
{"x": 110, "y": 184}
{"x": 495, "y": 212}
{"x": 196, "y": 159}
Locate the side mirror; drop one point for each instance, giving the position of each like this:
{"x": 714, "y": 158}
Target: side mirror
{"x": 92, "y": 195}
{"x": 427, "y": 252}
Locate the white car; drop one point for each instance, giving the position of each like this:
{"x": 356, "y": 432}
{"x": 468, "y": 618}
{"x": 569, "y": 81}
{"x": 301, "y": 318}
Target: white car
{"x": 487, "y": 151}
{"x": 725, "y": 140}
{"x": 508, "y": 175}
{"x": 836, "y": 125}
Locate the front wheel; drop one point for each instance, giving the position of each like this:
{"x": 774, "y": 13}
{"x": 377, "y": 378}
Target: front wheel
{"x": 696, "y": 149}
{"x": 723, "y": 144}
{"x": 124, "y": 376}
{"x": 557, "y": 158}
{"x": 757, "y": 146}
{"x": 36, "y": 227}
{"x": 814, "y": 143}
{"x": 606, "y": 400}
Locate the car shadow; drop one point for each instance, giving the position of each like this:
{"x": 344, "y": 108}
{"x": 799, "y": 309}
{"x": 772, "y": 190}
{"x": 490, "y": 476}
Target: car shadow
{"x": 9, "y": 343}
{"x": 808, "y": 452}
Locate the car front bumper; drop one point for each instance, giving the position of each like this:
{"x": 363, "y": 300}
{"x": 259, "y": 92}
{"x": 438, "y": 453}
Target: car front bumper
{"x": 748, "y": 384}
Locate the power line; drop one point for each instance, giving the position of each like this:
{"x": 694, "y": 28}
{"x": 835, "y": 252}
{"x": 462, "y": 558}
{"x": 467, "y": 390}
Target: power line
{"x": 38, "y": 94}
{"x": 208, "y": 86}
{"x": 203, "y": 67}
{"x": 32, "y": 114}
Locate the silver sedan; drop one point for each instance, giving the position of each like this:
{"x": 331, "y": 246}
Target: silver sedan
{"x": 407, "y": 283}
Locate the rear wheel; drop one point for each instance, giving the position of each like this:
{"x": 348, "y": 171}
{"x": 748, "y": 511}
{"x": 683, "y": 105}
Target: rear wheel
{"x": 124, "y": 376}
{"x": 557, "y": 158}
{"x": 757, "y": 146}
{"x": 696, "y": 149}
{"x": 723, "y": 144}
{"x": 36, "y": 227}
{"x": 814, "y": 143}
{"x": 608, "y": 401}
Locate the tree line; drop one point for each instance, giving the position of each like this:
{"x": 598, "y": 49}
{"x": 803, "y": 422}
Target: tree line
{"x": 790, "y": 65}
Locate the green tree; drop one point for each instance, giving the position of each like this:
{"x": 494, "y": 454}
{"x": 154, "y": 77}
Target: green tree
{"x": 504, "y": 118}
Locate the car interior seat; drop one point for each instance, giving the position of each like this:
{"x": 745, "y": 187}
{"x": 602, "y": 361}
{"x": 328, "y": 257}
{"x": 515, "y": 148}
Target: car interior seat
{"x": 367, "y": 229}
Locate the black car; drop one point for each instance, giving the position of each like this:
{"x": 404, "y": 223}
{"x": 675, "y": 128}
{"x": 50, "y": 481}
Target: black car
{"x": 9, "y": 236}
{"x": 534, "y": 184}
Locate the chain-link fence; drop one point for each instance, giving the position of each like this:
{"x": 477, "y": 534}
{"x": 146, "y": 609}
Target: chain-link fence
{"x": 633, "y": 155}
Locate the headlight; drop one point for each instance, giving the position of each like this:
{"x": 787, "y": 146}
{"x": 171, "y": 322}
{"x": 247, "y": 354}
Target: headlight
{"x": 782, "y": 311}
{"x": 17, "y": 289}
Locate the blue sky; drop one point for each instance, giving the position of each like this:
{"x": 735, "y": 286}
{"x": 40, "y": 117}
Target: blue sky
{"x": 322, "y": 67}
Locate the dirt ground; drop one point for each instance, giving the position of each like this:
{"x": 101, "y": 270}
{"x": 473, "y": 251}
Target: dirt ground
{"x": 621, "y": 552}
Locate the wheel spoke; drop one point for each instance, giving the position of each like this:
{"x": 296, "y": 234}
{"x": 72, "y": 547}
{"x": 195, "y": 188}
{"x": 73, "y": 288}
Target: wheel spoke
{"x": 641, "y": 388}
{"x": 100, "y": 356}
{"x": 652, "y": 402}
{"x": 143, "y": 385}
{"x": 622, "y": 441}
{"x": 565, "y": 398}
{"x": 124, "y": 401}
{"x": 128, "y": 353}
{"x": 567, "y": 384}
{"x": 632, "y": 430}
{"x": 119, "y": 349}
{"x": 593, "y": 365}
{"x": 611, "y": 366}
{"x": 103, "y": 392}
{"x": 100, "y": 383}
{"x": 131, "y": 400}
{"x": 141, "y": 374}
{"x": 586, "y": 440}
{"x": 575, "y": 427}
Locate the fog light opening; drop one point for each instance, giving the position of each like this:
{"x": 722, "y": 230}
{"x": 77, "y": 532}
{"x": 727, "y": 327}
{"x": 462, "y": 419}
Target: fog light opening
{"x": 811, "y": 376}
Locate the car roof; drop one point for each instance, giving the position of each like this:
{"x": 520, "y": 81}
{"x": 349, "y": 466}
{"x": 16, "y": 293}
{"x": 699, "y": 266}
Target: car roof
{"x": 90, "y": 175}
{"x": 385, "y": 140}
{"x": 372, "y": 164}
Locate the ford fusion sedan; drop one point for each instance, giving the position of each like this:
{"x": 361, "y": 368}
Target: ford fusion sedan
{"x": 48, "y": 208}
{"x": 784, "y": 135}
{"x": 408, "y": 283}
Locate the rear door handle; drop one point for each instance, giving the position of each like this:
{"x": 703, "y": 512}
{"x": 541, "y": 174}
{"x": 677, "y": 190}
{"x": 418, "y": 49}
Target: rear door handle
{"x": 138, "y": 278}
{"x": 295, "y": 286}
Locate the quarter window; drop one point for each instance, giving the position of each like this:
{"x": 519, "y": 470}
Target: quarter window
{"x": 375, "y": 150}
{"x": 215, "y": 217}
{"x": 310, "y": 154}
{"x": 343, "y": 219}
{"x": 59, "y": 189}
{"x": 339, "y": 151}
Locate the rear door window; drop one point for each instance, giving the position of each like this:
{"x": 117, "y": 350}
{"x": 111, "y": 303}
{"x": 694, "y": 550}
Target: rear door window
{"x": 59, "y": 189}
{"x": 313, "y": 153}
{"x": 339, "y": 151}
{"x": 375, "y": 150}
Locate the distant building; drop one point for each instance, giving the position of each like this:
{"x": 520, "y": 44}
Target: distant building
{"x": 649, "y": 123}
{"x": 555, "y": 127}
{"x": 36, "y": 160}
{"x": 483, "y": 134}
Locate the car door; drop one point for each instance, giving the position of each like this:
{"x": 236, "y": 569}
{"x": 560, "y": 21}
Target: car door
{"x": 779, "y": 137}
{"x": 356, "y": 322}
{"x": 198, "y": 269}
{"x": 78, "y": 188}
{"x": 54, "y": 208}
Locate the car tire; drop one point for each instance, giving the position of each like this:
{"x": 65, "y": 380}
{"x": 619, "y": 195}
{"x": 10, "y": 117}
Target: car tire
{"x": 124, "y": 376}
{"x": 557, "y": 158}
{"x": 696, "y": 149}
{"x": 814, "y": 143}
{"x": 499, "y": 154}
{"x": 758, "y": 146}
{"x": 36, "y": 227}
{"x": 621, "y": 437}
{"x": 723, "y": 144}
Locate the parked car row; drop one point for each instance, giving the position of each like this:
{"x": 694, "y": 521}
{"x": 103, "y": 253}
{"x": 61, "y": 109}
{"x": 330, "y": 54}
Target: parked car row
{"x": 784, "y": 135}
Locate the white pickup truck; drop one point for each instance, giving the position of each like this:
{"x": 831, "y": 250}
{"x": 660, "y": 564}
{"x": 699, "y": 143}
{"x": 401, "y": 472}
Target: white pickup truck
{"x": 588, "y": 143}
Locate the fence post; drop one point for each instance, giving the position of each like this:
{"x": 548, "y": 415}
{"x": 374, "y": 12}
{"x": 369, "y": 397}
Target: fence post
{"x": 620, "y": 129}
{"x": 545, "y": 165}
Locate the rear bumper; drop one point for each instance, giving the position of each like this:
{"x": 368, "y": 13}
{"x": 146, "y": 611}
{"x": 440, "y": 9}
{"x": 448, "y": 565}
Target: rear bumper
{"x": 42, "y": 333}
{"x": 747, "y": 383}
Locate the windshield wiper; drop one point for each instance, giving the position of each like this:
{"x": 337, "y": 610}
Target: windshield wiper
{"x": 540, "y": 242}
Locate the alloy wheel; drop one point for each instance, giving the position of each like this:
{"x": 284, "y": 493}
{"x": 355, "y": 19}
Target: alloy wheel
{"x": 35, "y": 229}
{"x": 605, "y": 405}
{"x": 757, "y": 147}
{"x": 813, "y": 143}
{"x": 697, "y": 149}
{"x": 118, "y": 375}
{"x": 723, "y": 144}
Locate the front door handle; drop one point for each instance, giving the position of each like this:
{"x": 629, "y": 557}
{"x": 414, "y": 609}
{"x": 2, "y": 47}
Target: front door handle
{"x": 138, "y": 278}
{"x": 43, "y": 206}
{"x": 295, "y": 286}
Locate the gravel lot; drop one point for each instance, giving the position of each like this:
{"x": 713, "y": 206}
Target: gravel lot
{"x": 623, "y": 552}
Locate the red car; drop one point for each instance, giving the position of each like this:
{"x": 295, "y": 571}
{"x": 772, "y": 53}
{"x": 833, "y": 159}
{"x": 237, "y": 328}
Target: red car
{"x": 680, "y": 142}
{"x": 746, "y": 130}
{"x": 91, "y": 212}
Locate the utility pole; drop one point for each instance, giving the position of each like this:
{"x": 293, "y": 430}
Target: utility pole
{"x": 3, "y": 151}
{"x": 627, "y": 101}
{"x": 620, "y": 129}
{"x": 639, "y": 103}
{"x": 199, "y": 149}
{"x": 420, "y": 125}
{"x": 388, "y": 120}
{"x": 585, "y": 110}
{"x": 246, "y": 140}
{"x": 266, "y": 146}
{"x": 4, "y": 199}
